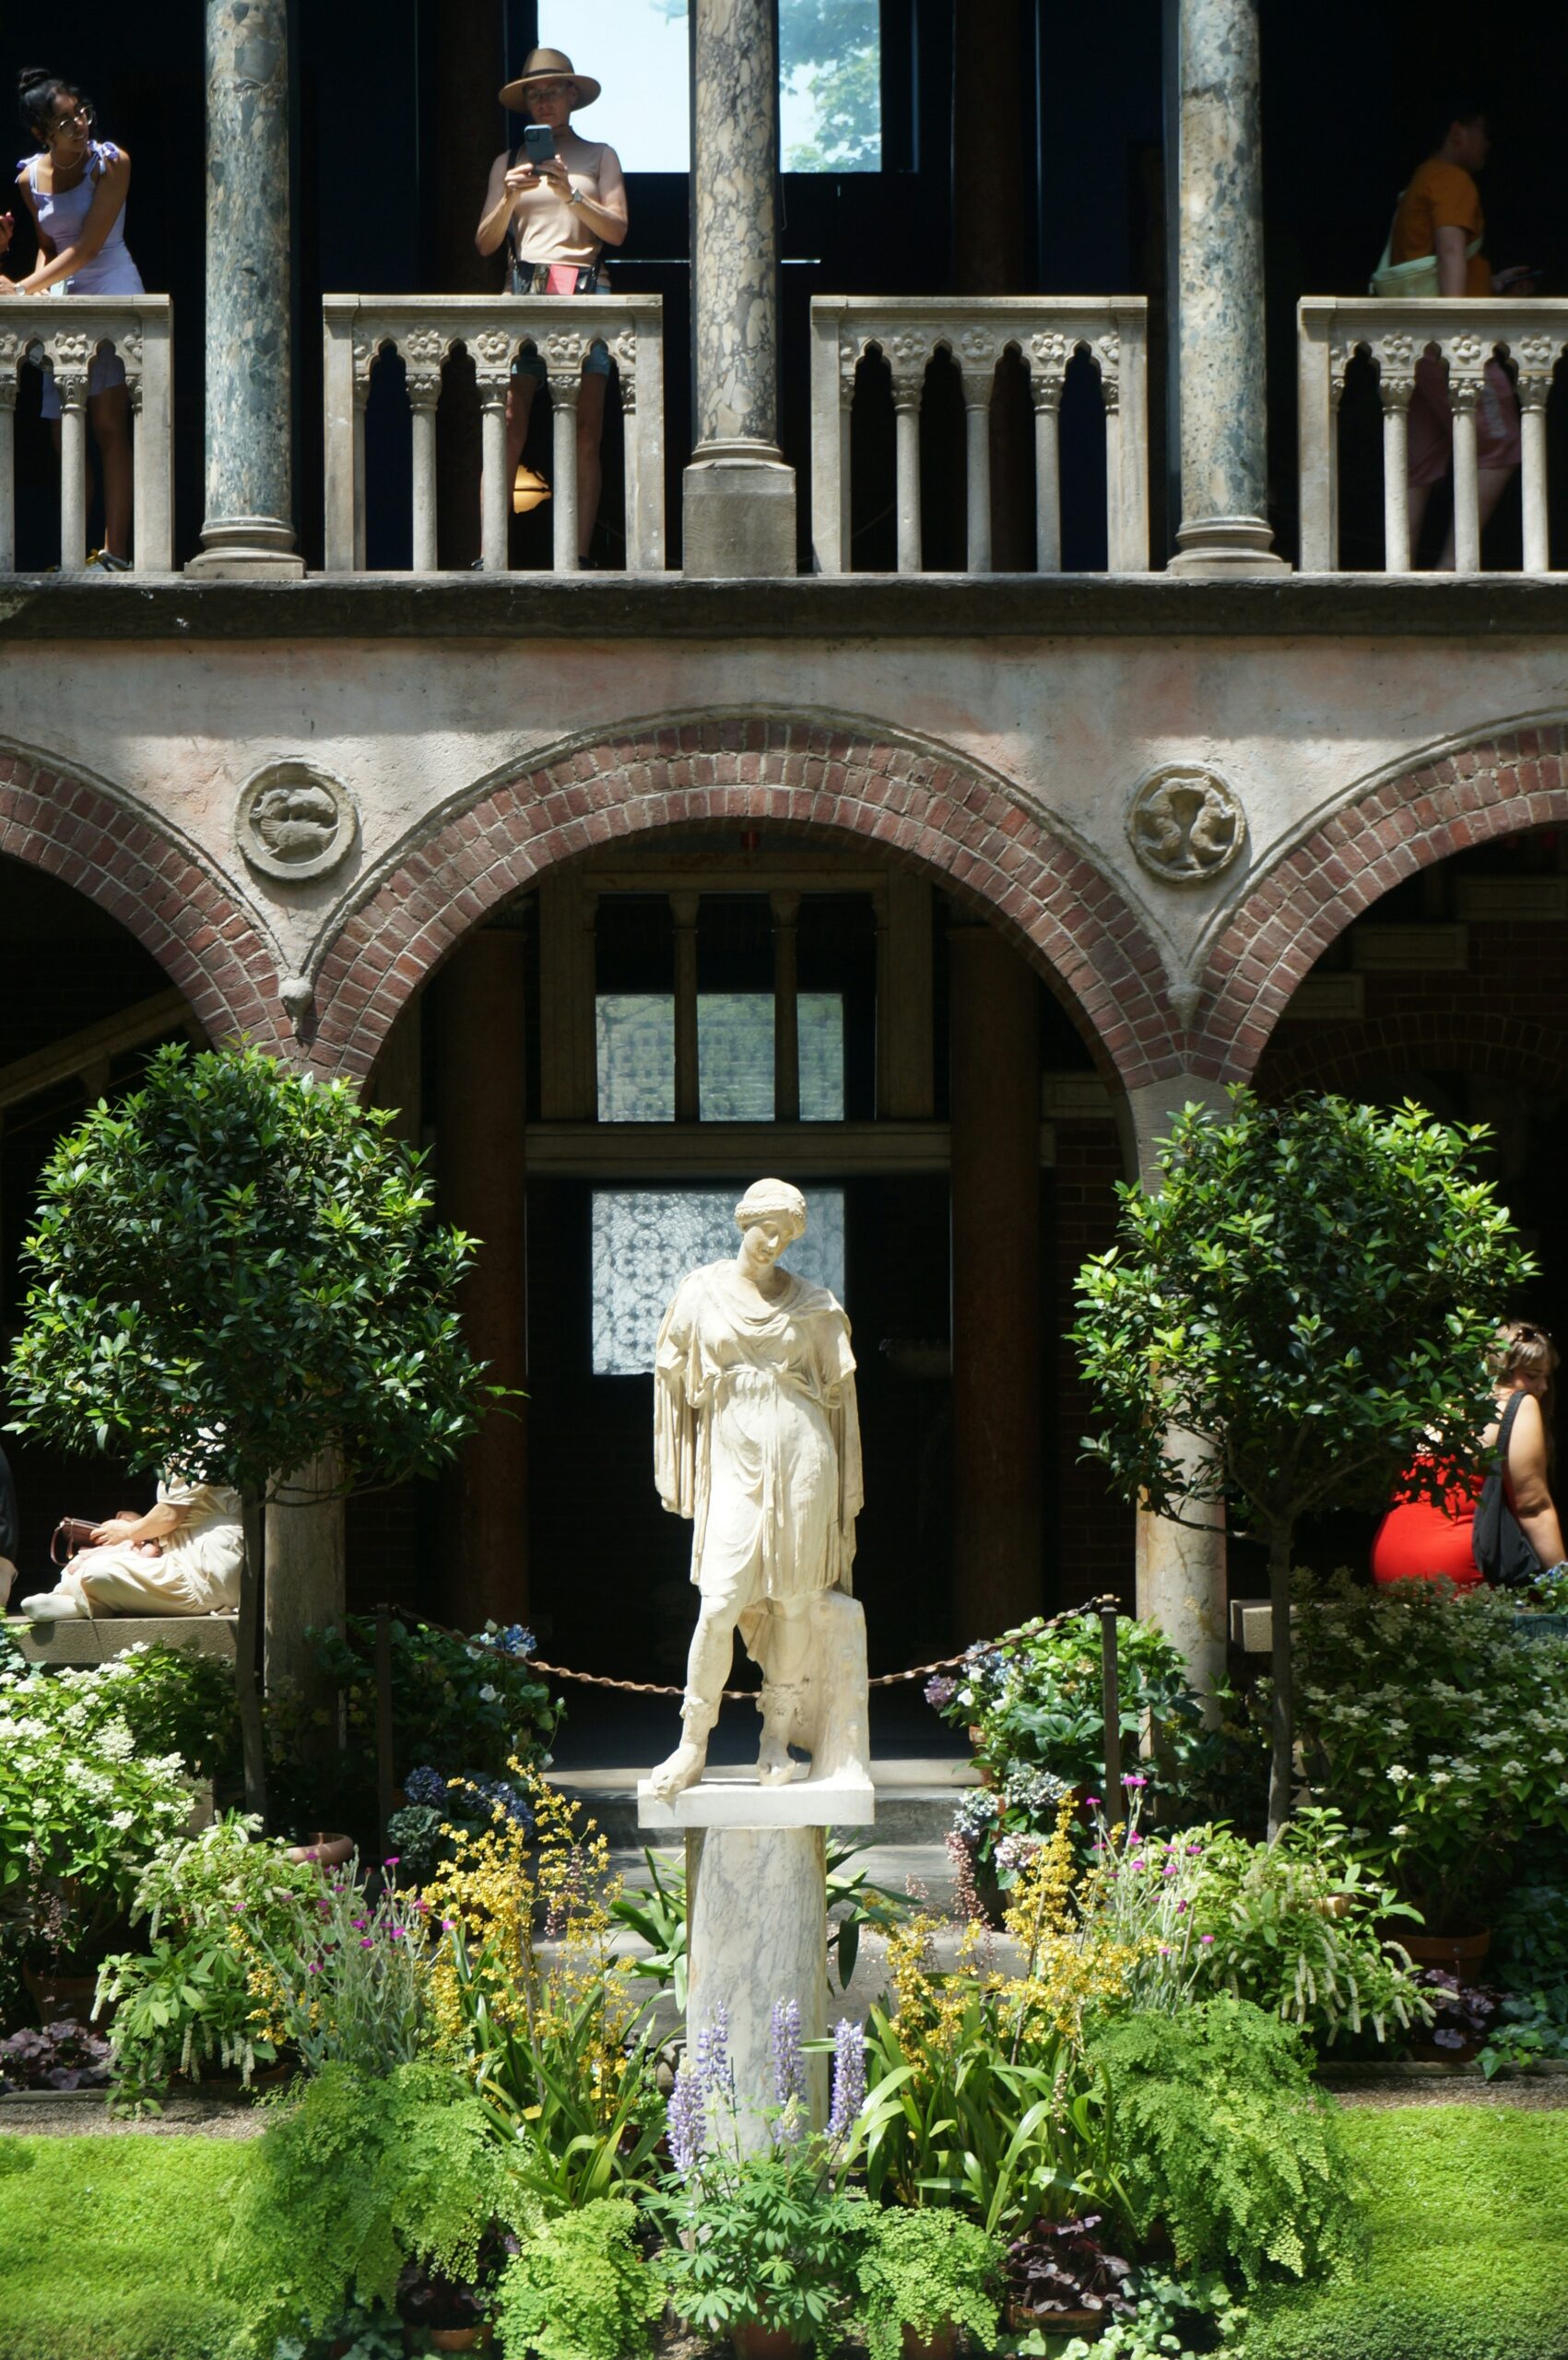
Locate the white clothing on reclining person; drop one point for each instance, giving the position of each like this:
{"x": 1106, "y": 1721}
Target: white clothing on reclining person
{"x": 197, "y": 1573}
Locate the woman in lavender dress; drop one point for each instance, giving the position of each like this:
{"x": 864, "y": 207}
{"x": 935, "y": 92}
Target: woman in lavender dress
{"x": 75, "y": 188}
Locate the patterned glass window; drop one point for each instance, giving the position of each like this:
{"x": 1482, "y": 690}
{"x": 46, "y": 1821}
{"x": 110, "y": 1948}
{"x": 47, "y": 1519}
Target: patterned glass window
{"x": 635, "y": 1034}
{"x": 644, "y": 1241}
{"x": 635, "y": 1037}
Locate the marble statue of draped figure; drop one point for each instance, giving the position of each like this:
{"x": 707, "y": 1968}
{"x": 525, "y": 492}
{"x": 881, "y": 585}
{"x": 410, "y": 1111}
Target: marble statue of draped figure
{"x": 756, "y": 1441}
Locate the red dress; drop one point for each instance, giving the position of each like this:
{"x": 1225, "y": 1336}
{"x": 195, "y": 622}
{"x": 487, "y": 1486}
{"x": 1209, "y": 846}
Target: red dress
{"x": 1426, "y": 1539}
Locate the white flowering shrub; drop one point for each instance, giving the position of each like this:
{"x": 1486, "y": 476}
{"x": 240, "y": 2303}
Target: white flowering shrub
{"x": 1440, "y": 1731}
{"x": 82, "y": 1808}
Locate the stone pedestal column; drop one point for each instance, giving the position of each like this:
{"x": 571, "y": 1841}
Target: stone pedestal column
{"x": 481, "y": 1141}
{"x": 249, "y": 528}
{"x": 1219, "y": 306}
{"x": 995, "y": 1097}
{"x": 757, "y": 1933}
{"x": 1180, "y": 1567}
{"x": 739, "y": 495}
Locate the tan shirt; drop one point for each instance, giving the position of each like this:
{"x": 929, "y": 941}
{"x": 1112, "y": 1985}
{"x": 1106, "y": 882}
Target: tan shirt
{"x": 549, "y": 230}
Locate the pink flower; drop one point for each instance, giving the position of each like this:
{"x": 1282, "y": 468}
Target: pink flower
{"x": 1205, "y": 1938}
{"x": 366, "y": 1944}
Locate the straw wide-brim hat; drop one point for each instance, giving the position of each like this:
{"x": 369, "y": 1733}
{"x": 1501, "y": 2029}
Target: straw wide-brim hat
{"x": 548, "y": 65}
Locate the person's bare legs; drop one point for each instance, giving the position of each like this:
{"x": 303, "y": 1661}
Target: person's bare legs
{"x": 109, "y": 414}
{"x": 519, "y": 409}
{"x": 1490, "y": 485}
{"x": 590, "y": 465}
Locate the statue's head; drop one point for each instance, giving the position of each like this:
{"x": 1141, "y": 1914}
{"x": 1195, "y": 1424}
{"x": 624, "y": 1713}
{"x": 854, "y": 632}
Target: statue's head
{"x": 774, "y": 1202}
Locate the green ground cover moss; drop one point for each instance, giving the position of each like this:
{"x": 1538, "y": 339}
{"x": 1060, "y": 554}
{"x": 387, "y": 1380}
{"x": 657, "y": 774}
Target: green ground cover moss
{"x": 106, "y": 2244}
{"x": 1468, "y": 2254}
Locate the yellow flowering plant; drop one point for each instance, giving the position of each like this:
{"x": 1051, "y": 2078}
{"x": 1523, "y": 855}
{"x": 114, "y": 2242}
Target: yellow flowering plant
{"x": 526, "y": 1988}
{"x": 977, "y": 2092}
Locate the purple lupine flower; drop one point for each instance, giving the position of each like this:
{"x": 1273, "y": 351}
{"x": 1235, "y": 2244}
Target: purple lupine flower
{"x": 715, "y": 2074}
{"x": 685, "y": 2124}
{"x": 789, "y": 2071}
{"x": 849, "y": 2077}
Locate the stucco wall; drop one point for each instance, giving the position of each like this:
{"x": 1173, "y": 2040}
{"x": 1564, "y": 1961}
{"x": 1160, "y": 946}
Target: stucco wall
{"x": 1053, "y": 735}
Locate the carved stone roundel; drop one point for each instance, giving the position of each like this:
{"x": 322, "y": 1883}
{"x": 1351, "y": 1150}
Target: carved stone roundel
{"x": 1185, "y": 824}
{"x": 294, "y": 820}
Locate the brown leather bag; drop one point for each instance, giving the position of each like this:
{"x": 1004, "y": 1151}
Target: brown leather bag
{"x": 72, "y": 1533}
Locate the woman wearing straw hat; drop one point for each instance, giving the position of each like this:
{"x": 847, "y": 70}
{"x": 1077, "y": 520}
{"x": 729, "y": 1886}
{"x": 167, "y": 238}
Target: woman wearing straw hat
{"x": 557, "y": 216}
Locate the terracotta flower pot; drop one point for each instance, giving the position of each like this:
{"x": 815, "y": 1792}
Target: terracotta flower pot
{"x": 1089, "y": 2324}
{"x": 1455, "y": 1953}
{"x": 326, "y": 1852}
{"x": 460, "y": 2339}
{"x": 752, "y": 2341}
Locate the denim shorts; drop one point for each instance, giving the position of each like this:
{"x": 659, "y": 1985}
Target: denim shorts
{"x": 528, "y": 364}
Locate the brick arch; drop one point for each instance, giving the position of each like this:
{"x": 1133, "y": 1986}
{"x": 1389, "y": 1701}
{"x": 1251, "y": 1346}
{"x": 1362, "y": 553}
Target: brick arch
{"x": 1498, "y": 786}
{"x": 914, "y": 802}
{"x": 1509, "y": 1048}
{"x": 177, "y": 909}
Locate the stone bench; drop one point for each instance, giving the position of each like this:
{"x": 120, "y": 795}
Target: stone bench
{"x": 98, "y": 1642}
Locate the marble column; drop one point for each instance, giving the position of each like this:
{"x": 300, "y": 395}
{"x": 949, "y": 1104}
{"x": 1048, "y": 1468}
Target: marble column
{"x": 480, "y": 1143}
{"x": 739, "y": 514}
{"x": 994, "y": 1102}
{"x": 1220, "y": 294}
{"x": 249, "y": 527}
{"x": 756, "y": 1934}
{"x": 1180, "y": 1567}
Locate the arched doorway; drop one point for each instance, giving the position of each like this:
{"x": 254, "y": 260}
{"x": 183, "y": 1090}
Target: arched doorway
{"x": 721, "y": 948}
{"x": 95, "y": 1006}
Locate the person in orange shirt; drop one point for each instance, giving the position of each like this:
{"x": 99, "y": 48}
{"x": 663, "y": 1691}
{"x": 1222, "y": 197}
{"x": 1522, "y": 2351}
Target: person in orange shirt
{"x": 1440, "y": 214}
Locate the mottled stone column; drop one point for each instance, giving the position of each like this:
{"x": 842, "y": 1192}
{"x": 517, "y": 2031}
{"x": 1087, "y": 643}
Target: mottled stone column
{"x": 1180, "y": 1567}
{"x": 305, "y": 1590}
{"x": 1219, "y": 306}
{"x": 249, "y": 527}
{"x": 994, "y": 1099}
{"x": 739, "y": 514}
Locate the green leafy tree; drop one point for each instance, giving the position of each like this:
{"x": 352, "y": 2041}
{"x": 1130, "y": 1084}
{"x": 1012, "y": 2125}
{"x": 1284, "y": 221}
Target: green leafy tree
{"x": 234, "y": 1271}
{"x": 836, "y": 46}
{"x": 1306, "y": 1299}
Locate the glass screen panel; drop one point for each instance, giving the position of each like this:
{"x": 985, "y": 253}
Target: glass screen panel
{"x": 645, "y": 1240}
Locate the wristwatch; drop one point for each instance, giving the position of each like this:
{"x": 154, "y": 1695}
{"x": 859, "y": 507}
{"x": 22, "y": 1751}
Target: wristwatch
{"x": 574, "y": 196}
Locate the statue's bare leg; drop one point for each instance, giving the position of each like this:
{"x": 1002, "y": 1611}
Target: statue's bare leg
{"x": 783, "y": 1692}
{"x": 712, "y": 1648}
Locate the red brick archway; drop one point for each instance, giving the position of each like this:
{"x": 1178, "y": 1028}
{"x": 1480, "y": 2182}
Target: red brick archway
{"x": 177, "y": 909}
{"x": 1350, "y": 1059}
{"x": 1495, "y": 787}
{"x": 915, "y": 802}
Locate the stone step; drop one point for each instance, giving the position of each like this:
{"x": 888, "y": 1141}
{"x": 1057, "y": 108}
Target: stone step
{"x": 915, "y": 1802}
{"x": 81, "y": 1642}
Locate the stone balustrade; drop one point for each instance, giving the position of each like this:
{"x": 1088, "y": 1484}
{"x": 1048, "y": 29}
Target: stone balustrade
{"x": 1047, "y": 333}
{"x": 425, "y": 330}
{"x": 1529, "y": 336}
{"x": 70, "y": 331}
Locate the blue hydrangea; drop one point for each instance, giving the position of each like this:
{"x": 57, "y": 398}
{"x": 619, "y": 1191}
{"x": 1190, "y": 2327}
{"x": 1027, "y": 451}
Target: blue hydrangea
{"x": 426, "y": 1787}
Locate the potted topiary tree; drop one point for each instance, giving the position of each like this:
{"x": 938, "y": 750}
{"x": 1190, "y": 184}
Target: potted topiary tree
{"x": 236, "y": 1272}
{"x": 1310, "y": 1290}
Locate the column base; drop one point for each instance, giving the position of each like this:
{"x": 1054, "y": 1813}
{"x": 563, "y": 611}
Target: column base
{"x": 242, "y": 548}
{"x": 739, "y": 514}
{"x": 1220, "y": 548}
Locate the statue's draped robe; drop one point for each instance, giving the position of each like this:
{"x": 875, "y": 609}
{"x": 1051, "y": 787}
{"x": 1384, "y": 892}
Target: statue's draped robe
{"x": 757, "y": 1439}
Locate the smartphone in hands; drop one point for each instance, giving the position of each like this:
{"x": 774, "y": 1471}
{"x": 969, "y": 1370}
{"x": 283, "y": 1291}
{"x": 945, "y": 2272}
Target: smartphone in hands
{"x": 538, "y": 144}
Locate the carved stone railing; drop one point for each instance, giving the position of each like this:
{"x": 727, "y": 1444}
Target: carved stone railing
{"x": 68, "y": 331}
{"x": 426, "y": 329}
{"x": 1465, "y": 335}
{"x": 1046, "y": 332}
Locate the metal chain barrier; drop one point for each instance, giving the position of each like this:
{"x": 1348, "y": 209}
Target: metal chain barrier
{"x": 740, "y": 1695}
